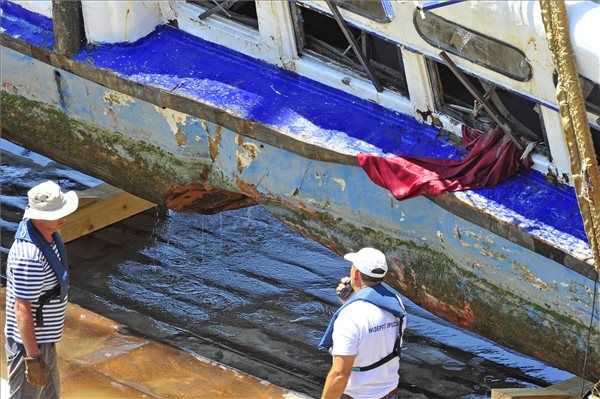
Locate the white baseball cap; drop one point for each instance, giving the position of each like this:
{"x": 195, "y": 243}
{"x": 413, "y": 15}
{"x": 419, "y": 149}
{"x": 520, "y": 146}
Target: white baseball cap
{"x": 369, "y": 261}
{"x": 47, "y": 202}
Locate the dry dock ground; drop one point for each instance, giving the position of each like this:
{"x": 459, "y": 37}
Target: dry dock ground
{"x": 100, "y": 360}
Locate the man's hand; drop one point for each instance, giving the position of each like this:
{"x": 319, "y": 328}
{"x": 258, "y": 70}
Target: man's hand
{"x": 36, "y": 371}
{"x": 344, "y": 289}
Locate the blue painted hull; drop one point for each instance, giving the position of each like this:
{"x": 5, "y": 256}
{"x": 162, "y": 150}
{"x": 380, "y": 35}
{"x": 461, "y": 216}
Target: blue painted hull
{"x": 454, "y": 268}
{"x": 229, "y": 132}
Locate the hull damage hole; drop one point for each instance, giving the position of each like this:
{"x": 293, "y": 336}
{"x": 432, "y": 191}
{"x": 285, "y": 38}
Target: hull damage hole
{"x": 522, "y": 114}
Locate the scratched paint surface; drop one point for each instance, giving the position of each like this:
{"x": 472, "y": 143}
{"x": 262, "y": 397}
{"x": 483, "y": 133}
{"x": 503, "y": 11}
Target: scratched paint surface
{"x": 312, "y": 112}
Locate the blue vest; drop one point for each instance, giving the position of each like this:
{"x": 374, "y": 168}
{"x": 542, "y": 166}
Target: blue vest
{"x": 380, "y": 295}
{"x": 27, "y": 232}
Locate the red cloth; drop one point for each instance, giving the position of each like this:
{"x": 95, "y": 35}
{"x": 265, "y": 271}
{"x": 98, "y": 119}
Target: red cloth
{"x": 492, "y": 158}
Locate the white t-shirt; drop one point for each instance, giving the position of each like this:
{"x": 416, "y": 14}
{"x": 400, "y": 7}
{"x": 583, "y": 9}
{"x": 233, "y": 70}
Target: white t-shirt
{"x": 369, "y": 332}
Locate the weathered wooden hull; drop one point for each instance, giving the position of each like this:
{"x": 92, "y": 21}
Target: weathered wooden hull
{"x": 195, "y": 159}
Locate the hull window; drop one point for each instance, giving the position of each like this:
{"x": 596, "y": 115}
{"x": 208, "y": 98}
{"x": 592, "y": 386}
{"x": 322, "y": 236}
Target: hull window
{"x": 319, "y": 35}
{"x": 473, "y": 46}
{"x": 378, "y": 11}
{"x": 521, "y": 114}
{"x": 241, "y": 11}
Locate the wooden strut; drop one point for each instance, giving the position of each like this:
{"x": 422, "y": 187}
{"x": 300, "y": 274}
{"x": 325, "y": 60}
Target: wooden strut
{"x": 100, "y": 207}
{"x": 68, "y": 26}
{"x": 337, "y": 15}
{"x": 492, "y": 113}
{"x": 219, "y": 7}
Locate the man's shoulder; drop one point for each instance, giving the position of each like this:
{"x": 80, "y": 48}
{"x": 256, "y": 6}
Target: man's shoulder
{"x": 357, "y": 311}
{"x": 24, "y": 250}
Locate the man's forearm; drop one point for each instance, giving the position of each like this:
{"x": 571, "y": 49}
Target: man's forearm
{"x": 26, "y": 327}
{"x": 335, "y": 384}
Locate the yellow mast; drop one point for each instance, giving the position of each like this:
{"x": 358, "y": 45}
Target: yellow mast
{"x": 584, "y": 165}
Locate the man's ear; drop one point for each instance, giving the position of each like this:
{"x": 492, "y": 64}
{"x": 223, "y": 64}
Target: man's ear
{"x": 355, "y": 276}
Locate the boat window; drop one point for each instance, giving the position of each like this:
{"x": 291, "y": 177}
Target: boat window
{"x": 591, "y": 93}
{"x": 473, "y": 46}
{"x": 596, "y": 139}
{"x": 522, "y": 114}
{"x": 318, "y": 34}
{"x": 377, "y": 10}
{"x": 241, "y": 11}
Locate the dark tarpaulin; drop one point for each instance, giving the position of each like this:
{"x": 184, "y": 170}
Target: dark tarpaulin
{"x": 492, "y": 158}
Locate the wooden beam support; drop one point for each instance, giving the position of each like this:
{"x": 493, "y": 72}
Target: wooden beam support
{"x": 570, "y": 389}
{"x": 99, "y": 207}
{"x": 69, "y": 31}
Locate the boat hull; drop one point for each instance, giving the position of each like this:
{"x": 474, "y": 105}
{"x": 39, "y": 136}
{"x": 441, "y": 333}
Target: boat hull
{"x": 452, "y": 267}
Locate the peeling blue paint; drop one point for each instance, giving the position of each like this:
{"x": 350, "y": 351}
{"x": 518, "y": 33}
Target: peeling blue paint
{"x": 26, "y": 25}
{"x": 304, "y": 109}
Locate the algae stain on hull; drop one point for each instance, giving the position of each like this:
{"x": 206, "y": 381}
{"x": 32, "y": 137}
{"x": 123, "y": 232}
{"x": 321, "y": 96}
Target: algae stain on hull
{"x": 143, "y": 168}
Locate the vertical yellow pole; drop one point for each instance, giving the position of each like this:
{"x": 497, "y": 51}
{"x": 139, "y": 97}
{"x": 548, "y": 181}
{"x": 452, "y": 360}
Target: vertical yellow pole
{"x": 584, "y": 164}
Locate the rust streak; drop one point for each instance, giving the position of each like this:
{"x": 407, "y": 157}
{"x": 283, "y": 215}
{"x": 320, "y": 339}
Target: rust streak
{"x": 205, "y": 199}
{"x": 214, "y": 143}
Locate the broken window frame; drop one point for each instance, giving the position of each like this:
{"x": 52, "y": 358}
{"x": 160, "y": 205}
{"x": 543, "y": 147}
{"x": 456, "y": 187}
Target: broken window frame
{"x": 487, "y": 40}
{"x": 386, "y": 7}
{"x": 483, "y": 121}
{"x": 225, "y": 11}
{"x": 331, "y": 54}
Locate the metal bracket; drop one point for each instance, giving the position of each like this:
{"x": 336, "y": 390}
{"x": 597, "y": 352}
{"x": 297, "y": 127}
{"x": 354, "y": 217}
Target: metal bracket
{"x": 344, "y": 27}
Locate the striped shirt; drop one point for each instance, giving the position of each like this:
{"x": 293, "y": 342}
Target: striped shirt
{"x": 28, "y": 277}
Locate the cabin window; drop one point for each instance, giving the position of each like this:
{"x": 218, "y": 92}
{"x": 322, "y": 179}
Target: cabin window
{"x": 241, "y": 11}
{"x": 473, "y": 46}
{"x": 591, "y": 94}
{"x": 523, "y": 115}
{"x": 596, "y": 139}
{"x": 378, "y": 11}
{"x": 318, "y": 34}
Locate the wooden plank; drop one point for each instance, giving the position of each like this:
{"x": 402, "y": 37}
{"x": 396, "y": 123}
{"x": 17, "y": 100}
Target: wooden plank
{"x": 570, "y": 389}
{"x": 99, "y": 207}
{"x": 69, "y": 31}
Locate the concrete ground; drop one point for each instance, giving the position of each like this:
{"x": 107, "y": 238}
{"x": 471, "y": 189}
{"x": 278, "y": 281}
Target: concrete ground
{"x": 100, "y": 360}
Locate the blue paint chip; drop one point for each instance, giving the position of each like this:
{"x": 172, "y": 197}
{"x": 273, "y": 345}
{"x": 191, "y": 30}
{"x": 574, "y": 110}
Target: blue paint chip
{"x": 212, "y": 74}
{"x": 26, "y": 25}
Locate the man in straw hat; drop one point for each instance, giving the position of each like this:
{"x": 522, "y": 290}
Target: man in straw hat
{"x": 36, "y": 294}
{"x": 365, "y": 335}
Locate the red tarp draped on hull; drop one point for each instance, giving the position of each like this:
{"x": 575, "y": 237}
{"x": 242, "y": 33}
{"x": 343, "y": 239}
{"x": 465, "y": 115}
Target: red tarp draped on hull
{"x": 492, "y": 158}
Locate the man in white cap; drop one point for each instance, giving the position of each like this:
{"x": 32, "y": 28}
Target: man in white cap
{"x": 365, "y": 335}
{"x": 36, "y": 294}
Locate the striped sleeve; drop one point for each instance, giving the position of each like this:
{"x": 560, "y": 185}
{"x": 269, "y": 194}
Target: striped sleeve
{"x": 26, "y": 265}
